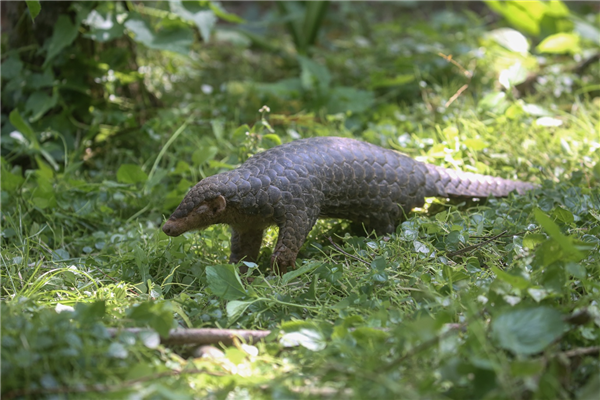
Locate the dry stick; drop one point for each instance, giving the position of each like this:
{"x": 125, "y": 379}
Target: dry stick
{"x": 464, "y": 87}
{"x": 582, "y": 351}
{"x": 474, "y": 246}
{"x": 421, "y": 347}
{"x": 504, "y": 234}
{"x": 455, "y": 96}
{"x": 200, "y": 336}
{"x": 346, "y": 253}
{"x": 103, "y": 388}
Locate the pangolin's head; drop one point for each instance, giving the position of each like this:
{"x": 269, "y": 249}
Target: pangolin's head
{"x": 201, "y": 207}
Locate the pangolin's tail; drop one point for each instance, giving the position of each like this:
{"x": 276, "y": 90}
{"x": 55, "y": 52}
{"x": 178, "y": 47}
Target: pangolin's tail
{"x": 443, "y": 182}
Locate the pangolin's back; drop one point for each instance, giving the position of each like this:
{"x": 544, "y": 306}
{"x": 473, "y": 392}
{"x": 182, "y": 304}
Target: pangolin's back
{"x": 351, "y": 179}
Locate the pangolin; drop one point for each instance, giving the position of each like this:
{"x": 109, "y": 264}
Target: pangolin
{"x": 294, "y": 184}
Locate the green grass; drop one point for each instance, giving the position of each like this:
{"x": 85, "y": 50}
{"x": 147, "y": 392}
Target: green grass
{"x": 464, "y": 301}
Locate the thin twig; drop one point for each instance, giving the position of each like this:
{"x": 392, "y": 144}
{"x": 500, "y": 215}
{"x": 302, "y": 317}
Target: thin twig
{"x": 458, "y": 93}
{"x": 346, "y": 253}
{"x": 582, "y": 351}
{"x": 449, "y": 58}
{"x": 421, "y": 347}
{"x": 474, "y": 246}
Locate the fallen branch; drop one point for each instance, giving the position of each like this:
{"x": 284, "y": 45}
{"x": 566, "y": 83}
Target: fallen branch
{"x": 201, "y": 336}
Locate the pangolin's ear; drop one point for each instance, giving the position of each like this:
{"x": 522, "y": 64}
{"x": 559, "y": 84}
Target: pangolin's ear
{"x": 218, "y": 204}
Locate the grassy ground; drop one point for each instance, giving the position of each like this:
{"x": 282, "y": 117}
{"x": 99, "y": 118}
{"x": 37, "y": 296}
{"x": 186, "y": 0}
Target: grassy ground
{"x": 494, "y": 299}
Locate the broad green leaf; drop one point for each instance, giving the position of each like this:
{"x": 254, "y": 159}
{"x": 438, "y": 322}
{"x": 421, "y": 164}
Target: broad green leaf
{"x": 141, "y": 30}
{"x": 11, "y": 67}
{"x": 89, "y": 313}
{"x": 513, "y": 75}
{"x": 224, "y": 282}
{"x": 379, "y": 80}
{"x": 218, "y": 128}
{"x": 314, "y": 76}
{"x": 475, "y": 144}
{"x": 204, "y": 18}
{"x": 510, "y": 39}
{"x": 495, "y": 102}
{"x": 343, "y": 99}
{"x": 43, "y": 80}
{"x": 553, "y": 230}
{"x": 236, "y": 308}
{"x": 38, "y": 104}
{"x": 531, "y": 240}
{"x": 537, "y": 294}
{"x": 590, "y": 390}
{"x": 271, "y": 140}
{"x": 548, "y": 121}
{"x": 527, "y": 367}
{"x": 175, "y": 36}
{"x": 286, "y": 89}
{"x": 379, "y": 264}
{"x": 312, "y": 339}
{"x": 516, "y": 281}
{"x": 306, "y": 268}
{"x": 563, "y": 215}
{"x": 369, "y": 337}
{"x": 560, "y": 43}
{"x": 587, "y": 31}
{"x": 64, "y": 34}
{"x": 577, "y": 270}
{"x": 103, "y": 27}
{"x": 117, "y": 350}
{"x": 527, "y": 331}
{"x": 204, "y": 154}
{"x": 224, "y": 15}
{"x": 23, "y": 127}
{"x": 10, "y": 182}
{"x": 150, "y": 339}
{"x": 342, "y": 304}
{"x": 158, "y": 316}
{"x": 525, "y": 16}
{"x": 131, "y": 173}
{"x": 596, "y": 170}
{"x": 139, "y": 370}
{"x": 34, "y": 8}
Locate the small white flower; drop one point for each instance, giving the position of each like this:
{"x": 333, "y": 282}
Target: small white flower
{"x": 251, "y": 350}
{"x": 60, "y": 308}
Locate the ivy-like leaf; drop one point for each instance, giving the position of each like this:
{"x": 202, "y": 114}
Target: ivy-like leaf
{"x": 175, "y": 36}
{"x": 131, "y": 173}
{"x": 236, "y": 308}
{"x": 204, "y": 18}
{"x": 18, "y": 122}
{"x": 560, "y": 43}
{"x": 224, "y": 282}
{"x": 64, "y": 34}
{"x": 528, "y": 331}
{"x": 34, "y": 8}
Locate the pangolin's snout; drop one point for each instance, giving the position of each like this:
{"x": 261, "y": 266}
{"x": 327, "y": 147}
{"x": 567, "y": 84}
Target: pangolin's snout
{"x": 170, "y": 228}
